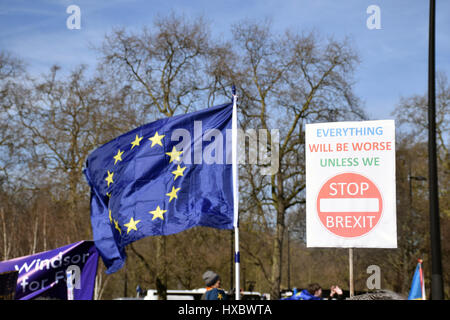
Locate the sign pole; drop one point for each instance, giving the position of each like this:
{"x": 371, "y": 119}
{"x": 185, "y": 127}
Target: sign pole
{"x": 350, "y": 264}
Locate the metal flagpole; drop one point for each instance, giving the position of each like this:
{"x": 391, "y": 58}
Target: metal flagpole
{"x": 437, "y": 290}
{"x": 235, "y": 193}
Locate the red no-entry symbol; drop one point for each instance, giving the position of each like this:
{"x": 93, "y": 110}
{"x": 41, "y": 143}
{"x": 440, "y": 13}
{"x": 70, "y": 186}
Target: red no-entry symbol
{"x": 349, "y": 205}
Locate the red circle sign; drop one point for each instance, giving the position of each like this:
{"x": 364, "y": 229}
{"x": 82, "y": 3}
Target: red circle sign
{"x": 349, "y": 205}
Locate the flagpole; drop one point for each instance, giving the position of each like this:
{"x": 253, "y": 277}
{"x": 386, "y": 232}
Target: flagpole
{"x": 350, "y": 268}
{"x": 235, "y": 194}
{"x": 422, "y": 280}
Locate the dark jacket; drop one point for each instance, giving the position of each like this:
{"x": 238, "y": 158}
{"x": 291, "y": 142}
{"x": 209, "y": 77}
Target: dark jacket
{"x": 305, "y": 295}
{"x": 215, "y": 294}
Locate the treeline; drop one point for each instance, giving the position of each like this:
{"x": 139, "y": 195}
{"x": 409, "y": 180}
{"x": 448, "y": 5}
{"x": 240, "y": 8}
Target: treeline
{"x": 50, "y": 123}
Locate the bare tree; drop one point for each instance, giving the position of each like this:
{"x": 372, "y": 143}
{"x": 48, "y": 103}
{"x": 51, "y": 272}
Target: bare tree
{"x": 412, "y": 115}
{"x": 166, "y": 69}
{"x": 286, "y": 81}
{"x": 63, "y": 121}
{"x": 164, "y": 65}
{"x": 12, "y": 74}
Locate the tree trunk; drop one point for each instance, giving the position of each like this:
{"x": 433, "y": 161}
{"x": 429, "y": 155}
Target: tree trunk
{"x": 278, "y": 241}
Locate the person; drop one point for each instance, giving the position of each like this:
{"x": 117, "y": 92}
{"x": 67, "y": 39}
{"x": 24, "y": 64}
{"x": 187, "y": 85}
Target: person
{"x": 314, "y": 292}
{"x": 213, "y": 290}
{"x": 336, "y": 293}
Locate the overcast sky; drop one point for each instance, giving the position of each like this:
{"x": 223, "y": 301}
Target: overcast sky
{"x": 393, "y": 59}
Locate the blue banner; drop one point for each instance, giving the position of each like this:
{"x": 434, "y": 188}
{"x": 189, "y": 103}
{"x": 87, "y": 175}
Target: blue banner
{"x": 44, "y": 274}
{"x": 161, "y": 178}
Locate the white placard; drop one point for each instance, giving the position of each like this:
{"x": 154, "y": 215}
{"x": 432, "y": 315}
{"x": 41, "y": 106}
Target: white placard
{"x": 350, "y": 184}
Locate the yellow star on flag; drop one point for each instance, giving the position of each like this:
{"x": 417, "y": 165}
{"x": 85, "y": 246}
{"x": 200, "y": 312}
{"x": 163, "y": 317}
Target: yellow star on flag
{"x": 109, "y": 178}
{"x": 136, "y": 141}
{"x": 174, "y": 154}
{"x": 132, "y": 225}
{"x": 116, "y": 224}
{"x": 178, "y": 172}
{"x": 110, "y": 218}
{"x": 157, "y": 213}
{"x": 118, "y": 156}
{"x": 156, "y": 139}
{"x": 173, "y": 194}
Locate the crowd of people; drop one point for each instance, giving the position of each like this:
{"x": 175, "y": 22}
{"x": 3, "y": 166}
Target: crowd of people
{"x": 313, "y": 292}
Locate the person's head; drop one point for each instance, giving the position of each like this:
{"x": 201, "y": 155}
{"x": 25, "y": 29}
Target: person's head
{"x": 211, "y": 279}
{"x": 315, "y": 289}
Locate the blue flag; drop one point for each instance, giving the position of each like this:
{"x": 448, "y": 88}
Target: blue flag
{"x": 417, "y": 291}
{"x": 161, "y": 178}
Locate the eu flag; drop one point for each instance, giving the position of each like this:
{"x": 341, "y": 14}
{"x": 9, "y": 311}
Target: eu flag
{"x": 161, "y": 178}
